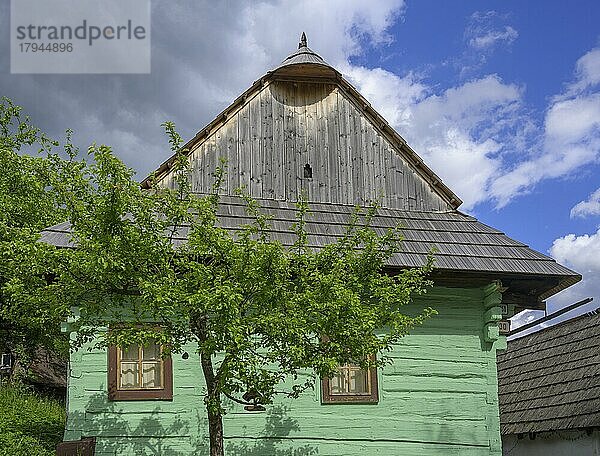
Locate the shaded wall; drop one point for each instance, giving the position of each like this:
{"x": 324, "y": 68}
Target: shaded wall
{"x": 560, "y": 443}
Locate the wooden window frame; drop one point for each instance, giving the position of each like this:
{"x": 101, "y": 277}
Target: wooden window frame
{"x": 369, "y": 398}
{"x": 140, "y": 394}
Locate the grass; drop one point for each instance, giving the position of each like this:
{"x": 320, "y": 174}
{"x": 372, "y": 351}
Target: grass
{"x": 30, "y": 424}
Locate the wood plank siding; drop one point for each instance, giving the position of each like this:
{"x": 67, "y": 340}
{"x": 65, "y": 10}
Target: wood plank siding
{"x": 439, "y": 397}
{"x": 285, "y": 126}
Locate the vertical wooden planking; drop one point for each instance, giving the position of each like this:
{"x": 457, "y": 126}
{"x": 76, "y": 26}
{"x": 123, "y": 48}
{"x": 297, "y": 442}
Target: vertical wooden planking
{"x": 384, "y": 173}
{"x": 351, "y": 151}
{"x": 303, "y": 97}
{"x": 201, "y": 154}
{"x": 279, "y": 166}
{"x": 313, "y": 157}
{"x": 332, "y": 126}
{"x": 255, "y": 150}
{"x": 402, "y": 175}
{"x": 297, "y": 140}
{"x": 367, "y": 163}
{"x": 211, "y": 162}
{"x": 381, "y": 172}
{"x": 320, "y": 169}
{"x": 367, "y": 147}
{"x": 289, "y": 141}
{"x": 350, "y": 144}
{"x": 221, "y": 153}
{"x": 301, "y": 156}
{"x": 195, "y": 172}
{"x": 412, "y": 189}
{"x": 233, "y": 164}
{"x": 269, "y": 163}
{"x": 323, "y": 147}
{"x": 288, "y": 124}
{"x": 340, "y": 142}
{"x": 308, "y": 155}
{"x": 346, "y": 152}
{"x": 243, "y": 146}
{"x": 358, "y": 169}
{"x": 422, "y": 196}
{"x": 321, "y": 180}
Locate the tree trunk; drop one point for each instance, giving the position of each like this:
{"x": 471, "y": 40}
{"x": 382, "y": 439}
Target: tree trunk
{"x": 213, "y": 407}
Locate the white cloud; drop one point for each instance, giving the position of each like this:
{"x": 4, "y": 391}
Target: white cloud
{"x": 204, "y": 54}
{"x": 571, "y": 137}
{"x": 392, "y": 96}
{"x": 485, "y": 30}
{"x": 337, "y": 28}
{"x": 459, "y": 133}
{"x": 493, "y": 37}
{"x": 582, "y": 254}
{"x": 525, "y": 317}
{"x": 591, "y": 206}
{"x": 482, "y": 126}
{"x": 569, "y": 121}
{"x": 588, "y": 71}
{"x": 457, "y": 129}
{"x": 485, "y": 33}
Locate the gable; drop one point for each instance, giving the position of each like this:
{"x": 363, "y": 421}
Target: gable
{"x": 284, "y": 126}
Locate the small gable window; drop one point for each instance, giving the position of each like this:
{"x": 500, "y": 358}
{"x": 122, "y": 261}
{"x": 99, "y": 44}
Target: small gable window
{"x": 307, "y": 171}
{"x": 351, "y": 384}
{"x": 139, "y": 372}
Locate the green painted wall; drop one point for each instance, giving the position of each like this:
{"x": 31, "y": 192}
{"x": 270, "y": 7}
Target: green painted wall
{"x": 438, "y": 398}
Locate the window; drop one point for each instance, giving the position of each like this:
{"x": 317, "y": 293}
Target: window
{"x": 138, "y": 373}
{"x": 351, "y": 384}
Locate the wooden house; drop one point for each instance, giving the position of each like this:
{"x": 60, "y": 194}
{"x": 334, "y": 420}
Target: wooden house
{"x": 549, "y": 387}
{"x": 303, "y": 127}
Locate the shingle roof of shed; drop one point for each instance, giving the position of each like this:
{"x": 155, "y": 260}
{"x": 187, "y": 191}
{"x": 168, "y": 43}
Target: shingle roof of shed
{"x": 462, "y": 243}
{"x": 550, "y": 380}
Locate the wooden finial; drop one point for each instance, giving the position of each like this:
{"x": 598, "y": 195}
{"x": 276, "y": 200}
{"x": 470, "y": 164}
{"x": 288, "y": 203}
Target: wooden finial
{"x": 302, "y": 41}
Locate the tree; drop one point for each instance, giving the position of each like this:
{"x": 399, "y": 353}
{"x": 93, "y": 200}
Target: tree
{"x": 260, "y": 314}
{"x": 27, "y": 205}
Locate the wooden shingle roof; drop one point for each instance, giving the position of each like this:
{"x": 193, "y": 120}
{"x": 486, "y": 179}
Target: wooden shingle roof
{"x": 304, "y": 55}
{"x": 550, "y": 380}
{"x": 464, "y": 245}
{"x": 303, "y": 112}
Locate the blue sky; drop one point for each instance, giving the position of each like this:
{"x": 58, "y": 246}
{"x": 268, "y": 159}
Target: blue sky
{"x": 535, "y": 46}
{"x": 501, "y": 98}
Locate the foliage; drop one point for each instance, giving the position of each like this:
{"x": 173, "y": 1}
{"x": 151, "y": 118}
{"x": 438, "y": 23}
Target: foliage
{"x": 27, "y": 205}
{"x": 30, "y": 425}
{"x": 260, "y": 314}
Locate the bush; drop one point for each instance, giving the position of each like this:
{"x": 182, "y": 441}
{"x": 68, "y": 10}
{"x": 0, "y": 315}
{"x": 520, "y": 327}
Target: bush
{"x": 30, "y": 424}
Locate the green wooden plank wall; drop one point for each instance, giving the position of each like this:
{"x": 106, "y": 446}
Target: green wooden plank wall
{"x": 439, "y": 397}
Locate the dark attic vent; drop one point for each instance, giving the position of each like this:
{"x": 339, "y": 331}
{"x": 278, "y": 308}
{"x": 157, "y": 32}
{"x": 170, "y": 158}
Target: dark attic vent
{"x": 307, "y": 171}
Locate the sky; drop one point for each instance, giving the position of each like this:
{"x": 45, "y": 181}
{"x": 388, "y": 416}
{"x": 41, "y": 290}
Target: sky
{"x": 500, "y": 98}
